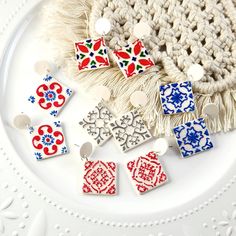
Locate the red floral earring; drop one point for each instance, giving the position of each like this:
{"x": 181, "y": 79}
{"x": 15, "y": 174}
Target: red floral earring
{"x": 49, "y": 94}
{"x": 134, "y": 59}
{"x": 146, "y": 172}
{"x": 47, "y": 139}
{"x": 92, "y": 53}
{"x": 100, "y": 177}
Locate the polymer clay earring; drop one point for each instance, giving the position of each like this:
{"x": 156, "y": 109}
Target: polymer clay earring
{"x": 96, "y": 122}
{"x": 178, "y": 97}
{"x": 92, "y": 53}
{"x": 49, "y": 94}
{"x": 129, "y": 130}
{"x": 134, "y": 59}
{"x": 47, "y": 139}
{"x": 193, "y": 137}
{"x": 146, "y": 172}
{"x": 100, "y": 177}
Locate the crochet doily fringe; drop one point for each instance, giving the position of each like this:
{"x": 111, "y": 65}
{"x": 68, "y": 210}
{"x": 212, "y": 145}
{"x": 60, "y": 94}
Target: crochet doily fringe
{"x": 66, "y": 23}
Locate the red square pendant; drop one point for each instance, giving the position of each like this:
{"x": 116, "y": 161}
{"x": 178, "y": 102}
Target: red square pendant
{"x": 146, "y": 173}
{"x": 100, "y": 178}
{"x": 91, "y": 54}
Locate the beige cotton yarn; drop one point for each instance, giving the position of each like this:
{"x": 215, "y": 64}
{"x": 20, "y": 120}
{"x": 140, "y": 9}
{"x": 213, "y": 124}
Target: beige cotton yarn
{"x": 183, "y": 32}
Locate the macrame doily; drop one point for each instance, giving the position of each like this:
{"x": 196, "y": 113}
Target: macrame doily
{"x": 183, "y": 33}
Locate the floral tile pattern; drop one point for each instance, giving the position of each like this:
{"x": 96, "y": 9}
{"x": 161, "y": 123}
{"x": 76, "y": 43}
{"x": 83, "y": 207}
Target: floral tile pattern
{"x": 177, "y": 97}
{"x": 96, "y": 123}
{"x": 129, "y": 131}
{"x": 91, "y": 54}
{"x": 48, "y": 140}
{"x": 51, "y": 95}
{"x": 100, "y": 178}
{"x": 146, "y": 173}
{"x": 193, "y": 137}
{"x": 133, "y": 59}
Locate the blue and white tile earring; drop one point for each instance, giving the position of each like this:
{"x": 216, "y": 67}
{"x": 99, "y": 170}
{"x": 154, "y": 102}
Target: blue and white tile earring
{"x": 96, "y": 122}
{"x": 193, "y": 137}
{"x": 129, "y": 130}
{"x": 178, "y": 97}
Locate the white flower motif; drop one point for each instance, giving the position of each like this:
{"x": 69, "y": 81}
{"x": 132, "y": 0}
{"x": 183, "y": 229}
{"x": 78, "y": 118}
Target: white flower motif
{"x": 229, "y": 222}
{"x": 5, "y": 214}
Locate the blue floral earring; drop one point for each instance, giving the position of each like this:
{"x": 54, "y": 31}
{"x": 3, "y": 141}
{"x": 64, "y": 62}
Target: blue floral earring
{"x": 193, "y": 137}
{"x": 178, "y": 97}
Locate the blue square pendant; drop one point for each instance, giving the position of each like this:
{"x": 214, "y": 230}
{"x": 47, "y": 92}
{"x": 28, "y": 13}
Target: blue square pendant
{"x": 193, "y": 137}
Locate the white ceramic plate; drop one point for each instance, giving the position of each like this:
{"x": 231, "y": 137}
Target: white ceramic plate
{"x": 44, "y": 198}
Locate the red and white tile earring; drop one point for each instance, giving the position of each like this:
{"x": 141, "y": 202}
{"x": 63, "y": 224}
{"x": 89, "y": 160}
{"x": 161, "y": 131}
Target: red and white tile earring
{"x": 134, "y": 59}
{"x": 96, "y": 122}
{"x": 100, "y": 177}
{"x": 146, "y": 172}
{"x": 129, "y": 130}
{"x": 50, "y": 94}
{"x": 47, "y": 139}
{"x": 91, "y": 53}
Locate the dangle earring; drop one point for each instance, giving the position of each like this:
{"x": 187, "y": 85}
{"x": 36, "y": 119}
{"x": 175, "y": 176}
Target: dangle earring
{"x": 100, "y": 177}
{"x": 47, "y": 140}
{"x": 178, "y": 97}
{"x": 92, "y": 53}
{"x": 134, "y": 59}
{"x": 129, "y": 130}
{"x": 155, "y": 175}
{"x": 96, "y": 121}
{"x": 49, "y": 94}
{"x": 193, "y": 137}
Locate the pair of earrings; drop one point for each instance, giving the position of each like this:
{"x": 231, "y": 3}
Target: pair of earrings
{"x": 48, "y": 139}
{"x": 132, "y": 59}
{"x": 145, "y": 172}
{"x": 50, "y": 94}
{"x": 128, "y": 130}
{"x": 192, "y": 137}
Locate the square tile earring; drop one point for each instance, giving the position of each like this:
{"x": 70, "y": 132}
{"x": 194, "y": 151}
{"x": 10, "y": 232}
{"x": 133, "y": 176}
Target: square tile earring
{"x": 146, "y": 173}
{"x": 92, "y": 53}
{"x": 177, "y": 98}
{"x": 193, "y": 137}
{"x": 48, "y": 140}
{"x": 100, "y": 177}
{"x": 133, "y": 59}
{"x": 96, "y": 122}
{"x": 129, "y": 130}
{"x": 51, "y": 95}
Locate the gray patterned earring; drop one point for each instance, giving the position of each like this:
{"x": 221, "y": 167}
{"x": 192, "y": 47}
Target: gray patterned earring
{"x": 129, "y": 130}
{"x": 95, "y": 123}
